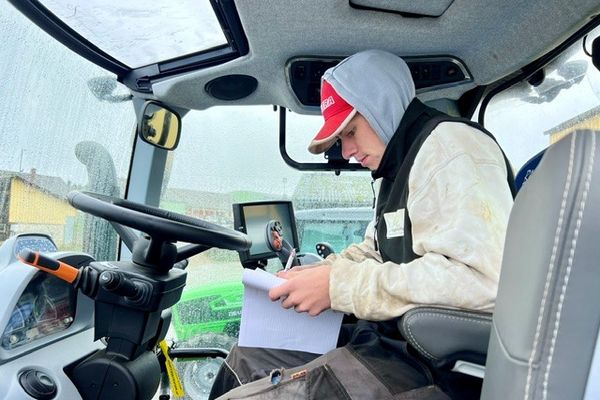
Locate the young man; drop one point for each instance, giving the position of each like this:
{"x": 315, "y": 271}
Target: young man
{"x": 442, "y": 208}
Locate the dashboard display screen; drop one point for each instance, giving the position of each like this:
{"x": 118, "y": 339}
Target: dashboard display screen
{"x": 46, "y": 306}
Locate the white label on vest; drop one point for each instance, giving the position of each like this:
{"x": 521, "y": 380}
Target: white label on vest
{"x": 394, "y": 222}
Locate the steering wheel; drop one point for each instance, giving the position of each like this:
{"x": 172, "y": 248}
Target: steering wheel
{"x": 160, "y": 224}
{"x": 134, "y": 293}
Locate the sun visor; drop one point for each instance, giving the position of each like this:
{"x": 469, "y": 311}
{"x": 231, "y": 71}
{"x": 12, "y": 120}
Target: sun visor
{"x": 429, "y": 8}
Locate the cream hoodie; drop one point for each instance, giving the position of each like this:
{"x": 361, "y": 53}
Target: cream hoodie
{"x": 458, "y": 203}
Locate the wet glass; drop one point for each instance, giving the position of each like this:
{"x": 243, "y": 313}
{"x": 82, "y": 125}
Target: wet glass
{"x": 230, "y": 154}
{"x": 526, "y": 119}
{"x": 136, "y": 34}
{"x": 65, "y": 124}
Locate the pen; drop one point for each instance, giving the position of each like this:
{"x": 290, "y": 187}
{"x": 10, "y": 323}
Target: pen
{"x": 290, "y": 260}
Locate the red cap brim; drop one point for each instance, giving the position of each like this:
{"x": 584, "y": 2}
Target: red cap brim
{"x": 328, "y": 134}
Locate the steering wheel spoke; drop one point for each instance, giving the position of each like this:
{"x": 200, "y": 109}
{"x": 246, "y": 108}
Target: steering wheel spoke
{"x": 162, "y": 227}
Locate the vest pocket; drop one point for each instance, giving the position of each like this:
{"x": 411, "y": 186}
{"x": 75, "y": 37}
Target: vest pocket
{"x": 323, "y": 384}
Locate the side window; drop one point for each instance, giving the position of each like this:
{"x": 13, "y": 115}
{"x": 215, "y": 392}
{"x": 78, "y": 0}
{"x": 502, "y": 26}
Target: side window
{"x": 64, "y": 125}
{"x": 526, "y": 119}
{"x": 230, "y": 155}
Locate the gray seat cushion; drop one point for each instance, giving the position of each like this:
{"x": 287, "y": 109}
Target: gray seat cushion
{"x": 443, "y": 335}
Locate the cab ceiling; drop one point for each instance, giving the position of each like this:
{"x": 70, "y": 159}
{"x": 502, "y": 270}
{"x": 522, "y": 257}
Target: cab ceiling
{"x": 492, "y": 38}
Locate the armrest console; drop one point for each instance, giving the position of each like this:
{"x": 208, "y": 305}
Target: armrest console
{"x": 443, "y": 335}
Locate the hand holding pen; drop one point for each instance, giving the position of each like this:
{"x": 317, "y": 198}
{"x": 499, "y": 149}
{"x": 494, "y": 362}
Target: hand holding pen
{"x": 290, "y": 260}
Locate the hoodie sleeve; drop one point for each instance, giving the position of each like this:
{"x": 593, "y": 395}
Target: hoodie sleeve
{"x": 459, "y": 202}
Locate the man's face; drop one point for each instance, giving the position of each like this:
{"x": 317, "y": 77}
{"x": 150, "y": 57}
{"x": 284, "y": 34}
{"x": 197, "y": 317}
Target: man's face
{"x": 359, "y": 141}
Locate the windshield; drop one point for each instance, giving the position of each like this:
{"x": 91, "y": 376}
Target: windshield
{"x": 230, "y": 155}
{"x": 64, "y": 125}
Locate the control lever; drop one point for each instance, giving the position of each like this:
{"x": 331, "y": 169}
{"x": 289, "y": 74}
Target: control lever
{"x": 87, "y": 279}
{"x": 84, "y": 279}
{"x": 59, "y": 269}
{"x": 277, "y": 243}
{"x": 324, "y": 249}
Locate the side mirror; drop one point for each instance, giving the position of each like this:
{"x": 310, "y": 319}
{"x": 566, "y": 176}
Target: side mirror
{"x": 159, "y": 126}
{"x": 106, "y": 88}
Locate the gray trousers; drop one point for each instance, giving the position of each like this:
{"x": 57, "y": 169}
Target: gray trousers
{"x": 369, "y": 366}
{"x": 248, "y": 364}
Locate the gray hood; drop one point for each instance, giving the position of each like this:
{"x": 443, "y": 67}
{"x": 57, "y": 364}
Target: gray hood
{"x": 378, "y": 85}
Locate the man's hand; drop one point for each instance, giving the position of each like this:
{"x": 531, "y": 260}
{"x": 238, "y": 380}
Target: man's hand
{"x": 307, "y": 289}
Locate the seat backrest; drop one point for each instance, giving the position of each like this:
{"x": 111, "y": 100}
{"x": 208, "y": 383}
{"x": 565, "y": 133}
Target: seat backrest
{"x": 547, "y": 317}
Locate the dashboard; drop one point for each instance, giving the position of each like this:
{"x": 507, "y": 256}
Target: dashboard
{"x": 45, "y": 326}
{"x": 46, "y": 305}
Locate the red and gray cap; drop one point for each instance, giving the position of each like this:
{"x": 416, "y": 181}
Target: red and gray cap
{"x": 374, "y": 83}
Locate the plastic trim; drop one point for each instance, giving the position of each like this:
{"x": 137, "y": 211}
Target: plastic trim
{"x": 470, "y": 369}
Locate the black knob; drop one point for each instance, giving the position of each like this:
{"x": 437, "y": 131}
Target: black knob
{"x": 38, "y": 384}
{"x": 115, "y": 282}
{"x": 324, "y": 249}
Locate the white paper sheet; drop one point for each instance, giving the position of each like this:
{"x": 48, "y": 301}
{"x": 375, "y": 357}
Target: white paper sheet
{"x": 266, "y": 323}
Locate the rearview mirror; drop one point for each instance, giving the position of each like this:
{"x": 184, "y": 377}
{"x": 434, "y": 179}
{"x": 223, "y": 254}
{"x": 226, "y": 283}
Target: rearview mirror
{"x": 159, "y": 126}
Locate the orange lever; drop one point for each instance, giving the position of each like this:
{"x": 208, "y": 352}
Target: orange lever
{"x": 49, "y": 265}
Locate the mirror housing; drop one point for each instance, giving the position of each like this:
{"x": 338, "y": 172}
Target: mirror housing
{"x": 159, "y": 126}
{"x": 106, "y": 88}
{"x": 335, "y": 160}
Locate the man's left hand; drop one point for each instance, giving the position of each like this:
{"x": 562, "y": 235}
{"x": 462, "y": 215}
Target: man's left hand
{"x": 307, "y": 289}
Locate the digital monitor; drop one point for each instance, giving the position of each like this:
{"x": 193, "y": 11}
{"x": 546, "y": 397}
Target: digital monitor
{"x": 252, "y": 219}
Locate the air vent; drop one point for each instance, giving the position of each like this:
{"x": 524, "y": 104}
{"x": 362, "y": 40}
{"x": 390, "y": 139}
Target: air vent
{"x": 428, "y": 73}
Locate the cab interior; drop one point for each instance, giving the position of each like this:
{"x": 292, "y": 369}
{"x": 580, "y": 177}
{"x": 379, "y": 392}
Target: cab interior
{"x": 191, "y": 107}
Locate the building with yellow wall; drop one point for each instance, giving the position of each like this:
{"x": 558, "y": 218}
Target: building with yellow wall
{"x": 35, "y": 203}
{"x": 29, "y": 204}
